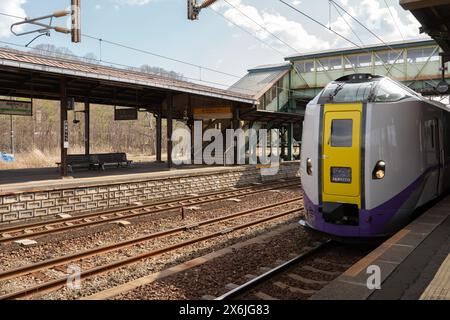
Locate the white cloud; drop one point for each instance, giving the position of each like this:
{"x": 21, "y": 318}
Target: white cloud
{"x": 296, "y": 2}
{"x": 133, "y": 2}
{"x": 289, "y": 31}
{"x": 12, "y": 7}
{"x": 383, "y": 21}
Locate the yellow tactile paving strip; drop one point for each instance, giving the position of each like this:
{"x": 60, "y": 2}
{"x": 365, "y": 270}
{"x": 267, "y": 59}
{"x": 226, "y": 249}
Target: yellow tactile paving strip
{"x": 439, "y": 288}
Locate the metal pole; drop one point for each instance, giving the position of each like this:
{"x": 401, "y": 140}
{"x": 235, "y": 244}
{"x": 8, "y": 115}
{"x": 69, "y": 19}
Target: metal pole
{"x": 64, "y": 127}
{"x": 158, "y": 134}
{"x": 12, "y": 133}
{"x": 87, "y": 131}
{"x": 169, "y": 129}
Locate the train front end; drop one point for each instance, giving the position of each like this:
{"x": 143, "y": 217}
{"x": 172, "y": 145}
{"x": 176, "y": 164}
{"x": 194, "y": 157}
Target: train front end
{"x": 342, "y": 169}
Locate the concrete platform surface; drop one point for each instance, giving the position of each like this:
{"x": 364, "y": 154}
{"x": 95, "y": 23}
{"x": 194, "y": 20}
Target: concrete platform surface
{"x": 414, "y": 264}
{"x": 49, "y": 179}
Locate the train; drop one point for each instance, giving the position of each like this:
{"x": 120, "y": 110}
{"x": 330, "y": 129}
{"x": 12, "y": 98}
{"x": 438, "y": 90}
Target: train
{"x": 373, "y": 151}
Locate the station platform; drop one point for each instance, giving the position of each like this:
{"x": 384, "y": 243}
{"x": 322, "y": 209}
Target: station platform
{"x": 414, "y": 264}
{"x": 24, "y": 179}
{"x": 40, "y": 193}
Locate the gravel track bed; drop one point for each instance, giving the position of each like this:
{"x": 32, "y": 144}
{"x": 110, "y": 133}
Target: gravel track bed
{"x": 338, "y": 258}
{"x": 211, "y": 277}
{"x": 102, "y": 259}
{"x": 60, "y": 244}
{"x": 142, "y": 226}
{"x": 148, "y": 266}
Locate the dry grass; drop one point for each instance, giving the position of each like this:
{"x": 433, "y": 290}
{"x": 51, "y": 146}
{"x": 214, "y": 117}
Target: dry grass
{"x": 38, "y": 159}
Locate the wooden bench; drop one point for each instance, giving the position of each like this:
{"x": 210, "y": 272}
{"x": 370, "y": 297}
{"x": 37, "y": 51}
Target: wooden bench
{"x": 78, "y": 161}
{"x": 96, "y": 161}
{"x": 116, "y": 159}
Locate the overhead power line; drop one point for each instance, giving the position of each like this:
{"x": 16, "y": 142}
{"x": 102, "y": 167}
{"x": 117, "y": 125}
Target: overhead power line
{"x": 346, "y": 22}
{"x": 262, "y": 27}
{"x": 395, "y": 21}
{"x": 392, "y": 66}
{"x": 246, "y": 31}
{"x": 145, "y": 52}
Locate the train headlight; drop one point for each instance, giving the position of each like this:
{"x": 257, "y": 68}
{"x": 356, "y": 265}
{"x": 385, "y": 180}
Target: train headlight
{"x": 309, "y": 167}
{"x": 379, "y": 171}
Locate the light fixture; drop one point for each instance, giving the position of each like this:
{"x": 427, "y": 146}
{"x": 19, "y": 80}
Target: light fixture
{"x": 309, "y": 166}
{"x": 379, "y": 171}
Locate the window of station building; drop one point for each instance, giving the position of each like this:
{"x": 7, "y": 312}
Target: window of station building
{"x": 326, "y": 64}
{"x": 341, "y": 132}
{"x": 389, "y": 57}
{"x": 358, "y": 61}
{"x": 305, "y": 66}
{"x": 275, "y": 91}
{"x": 422, "y": 55}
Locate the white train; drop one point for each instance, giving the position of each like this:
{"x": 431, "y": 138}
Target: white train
{"x": 373, "y": 151}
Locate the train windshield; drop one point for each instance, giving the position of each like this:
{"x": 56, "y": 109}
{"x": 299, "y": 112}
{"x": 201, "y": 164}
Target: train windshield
{"x": 342, "y": 92}
{"x": 391, "y": 91}
{"x": 375, "y": 90}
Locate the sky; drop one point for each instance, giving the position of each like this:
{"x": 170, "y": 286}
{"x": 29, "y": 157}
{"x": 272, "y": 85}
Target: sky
{"x": 227, "y": 37}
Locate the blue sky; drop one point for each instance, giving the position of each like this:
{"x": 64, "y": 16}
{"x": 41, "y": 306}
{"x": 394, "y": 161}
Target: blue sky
{"x": 161, "y": 26}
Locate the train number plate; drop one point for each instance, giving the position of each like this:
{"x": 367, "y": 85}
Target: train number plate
{"x": 341, "y": 175}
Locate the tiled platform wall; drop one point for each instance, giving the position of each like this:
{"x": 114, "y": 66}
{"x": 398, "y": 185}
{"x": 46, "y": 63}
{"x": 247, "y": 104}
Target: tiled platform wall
{"x": 28, "y": 205}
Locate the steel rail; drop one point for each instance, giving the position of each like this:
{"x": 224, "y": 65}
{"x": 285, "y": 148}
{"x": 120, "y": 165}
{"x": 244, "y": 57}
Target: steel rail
{"x": 13, "y": 273}
{"x": 124, "y": 262}
{"x": 122, "y": 213}
{"x": 246, "y": 287}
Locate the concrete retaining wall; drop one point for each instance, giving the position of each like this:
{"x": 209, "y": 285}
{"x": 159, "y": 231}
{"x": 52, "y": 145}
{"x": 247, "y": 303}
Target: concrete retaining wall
{"x": 25, "y": 205}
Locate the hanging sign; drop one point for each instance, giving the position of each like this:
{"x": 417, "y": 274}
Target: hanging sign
{"x": 125, "y": 114}
{"x": 16, "y": 108}
{"x": 66, "y": 135}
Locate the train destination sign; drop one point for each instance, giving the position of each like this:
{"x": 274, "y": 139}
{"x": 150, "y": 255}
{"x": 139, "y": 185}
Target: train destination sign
{"x": 16, "y": 108}
{"x": 125, "y": 114}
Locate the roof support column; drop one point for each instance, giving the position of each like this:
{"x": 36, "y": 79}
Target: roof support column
{"x": 191, "y": 125}
{"x": 87, "y": 125}
{"x": 290, "y": 141}
{"x": 158, "y": 133}
{"x": 64, "y": 128}
{"x": 236, "y": 126}
{"x": 169, "y": 129}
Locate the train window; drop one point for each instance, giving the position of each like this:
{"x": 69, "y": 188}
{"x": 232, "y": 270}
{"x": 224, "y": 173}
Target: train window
{"x": 341, "y": 132}
{"x": 390, "y": 91}
{"x": 352, "y": 92}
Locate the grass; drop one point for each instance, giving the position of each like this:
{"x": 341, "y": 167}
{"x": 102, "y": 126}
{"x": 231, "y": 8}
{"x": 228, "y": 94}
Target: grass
{"x": 38, "y": 159}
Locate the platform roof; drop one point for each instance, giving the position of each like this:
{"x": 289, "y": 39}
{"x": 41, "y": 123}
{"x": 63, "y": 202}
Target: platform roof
{"x": 28, "y": 74}
{"x": 276, "y": 118}
{"x": 362, "y": 49}
{"x": 434, "y": 15}
{"x": 260, "y": 79}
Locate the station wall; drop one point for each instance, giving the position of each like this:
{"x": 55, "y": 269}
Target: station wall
{"x": 23, "y": 206}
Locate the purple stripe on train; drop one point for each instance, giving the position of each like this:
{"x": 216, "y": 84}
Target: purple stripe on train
{"x": 374, "y": 222}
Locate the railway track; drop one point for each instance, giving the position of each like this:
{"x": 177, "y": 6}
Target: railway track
{"x": 299, "y": 278}
{"x": 14, "y": 233}
{"x": 62, "y": 262}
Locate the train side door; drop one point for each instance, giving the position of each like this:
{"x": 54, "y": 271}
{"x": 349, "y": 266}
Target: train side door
{"x": 433, "y": 150}
{"x": 341, "y": 159}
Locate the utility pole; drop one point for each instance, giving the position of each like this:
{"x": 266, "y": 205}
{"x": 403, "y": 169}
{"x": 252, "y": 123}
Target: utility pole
{"x": 44, "y": 28}
{"x": 194, "y": 8}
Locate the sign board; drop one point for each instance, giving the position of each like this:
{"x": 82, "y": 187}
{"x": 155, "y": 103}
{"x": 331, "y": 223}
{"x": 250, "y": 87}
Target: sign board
{"x": 125, "y": 114}
{"x": 16, "y": 108}
{"x": 213, "y": 113}
{"x": 66, "y": 135}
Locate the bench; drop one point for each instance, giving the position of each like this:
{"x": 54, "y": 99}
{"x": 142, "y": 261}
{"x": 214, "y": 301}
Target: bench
{"x": 78, "y": 161}
{"x": 116, "y": 159}
{"x": 96, "y": 161}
